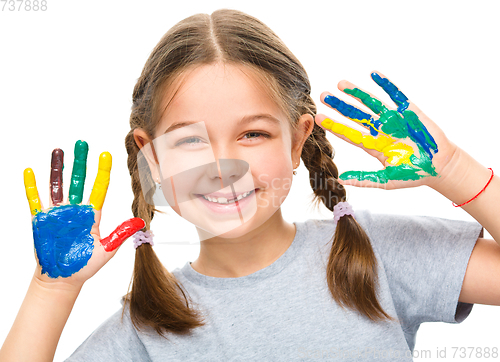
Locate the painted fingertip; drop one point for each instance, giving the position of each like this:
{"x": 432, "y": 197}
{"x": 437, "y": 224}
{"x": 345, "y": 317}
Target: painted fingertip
{"x": 81, "y": 150}
{"x": 28, "y": 175}
{"x": 332, "y": 101}
{"x": 323, "y": 95}
{"x": 396, "y": 95}
{"x": 79, "y": 172}
{"x": 105, "y": 161}
{"x": 376, "y": 77}
{"x": 57, "y": 158}
{"x": 349, "y": 175}
{"x": 122, "y": 233}
{"x": 101, "y": 183}
{"x": 56, "y": 176}
{"x": 327, "y": 123}
{"x": 343, "y": 176}
{"x": 31, "y": 191}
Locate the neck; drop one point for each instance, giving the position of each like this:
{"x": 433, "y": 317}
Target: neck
{"x": 237, "y": 257}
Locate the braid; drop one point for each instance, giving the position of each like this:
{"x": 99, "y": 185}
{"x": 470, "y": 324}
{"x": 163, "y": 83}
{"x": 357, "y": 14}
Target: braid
{"x": 140, "y": 208}
{"x": 352, "y": 266}
{"x": 318, "y": 155}
{"x": 157, "y": 300}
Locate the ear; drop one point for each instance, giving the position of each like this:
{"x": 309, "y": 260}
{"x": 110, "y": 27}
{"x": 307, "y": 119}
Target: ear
{"x": 305, "y": 125}
{"x": 147, "y": 149}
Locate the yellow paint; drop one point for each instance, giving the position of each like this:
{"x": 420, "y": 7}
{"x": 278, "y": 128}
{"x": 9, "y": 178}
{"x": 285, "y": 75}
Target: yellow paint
{"x": 101, "y": 182}
{"x": 396, "y": 152}
{"x": 32, "y": 191}
{"x": 361, "y": 121}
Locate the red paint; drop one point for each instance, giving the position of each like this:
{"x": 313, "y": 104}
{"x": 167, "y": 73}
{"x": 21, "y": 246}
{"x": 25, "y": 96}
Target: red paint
{"x": 122, "y": 233}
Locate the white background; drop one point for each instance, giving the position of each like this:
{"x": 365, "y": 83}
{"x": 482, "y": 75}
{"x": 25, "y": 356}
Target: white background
{"x": 68, "y": 74}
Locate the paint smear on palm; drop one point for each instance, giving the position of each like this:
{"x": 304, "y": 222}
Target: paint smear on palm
{"x": 392, "y": 126}
{"x": 62, "y": 239}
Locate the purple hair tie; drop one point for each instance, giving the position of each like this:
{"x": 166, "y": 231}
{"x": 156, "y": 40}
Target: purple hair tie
{"x": 142, "y": 237}
{"x": 341, "y": 209}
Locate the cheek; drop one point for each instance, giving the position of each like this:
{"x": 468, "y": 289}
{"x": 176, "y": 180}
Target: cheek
{"x": 272, "y": 172}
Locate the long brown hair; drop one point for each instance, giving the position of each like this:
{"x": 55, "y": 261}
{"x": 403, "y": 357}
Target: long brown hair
{"x": 156, "y": 298}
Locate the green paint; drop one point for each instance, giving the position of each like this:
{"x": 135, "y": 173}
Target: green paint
{"x": 405, "y": 124}
{"x": 422, "y": 167}
{"x": 402, "y": 172}
{"x": 373, "y": 103}
{"x": 424, "y": 162}
{"x": 392, "y": 123}
{"x": 79, "y": 172}
{"x": 418, "y": 133}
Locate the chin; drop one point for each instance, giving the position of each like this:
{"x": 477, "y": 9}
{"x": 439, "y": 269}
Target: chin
{"x": 236, "y": 232}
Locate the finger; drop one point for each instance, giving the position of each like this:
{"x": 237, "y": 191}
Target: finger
{"x": 392, "y": 122}
{"x": 32, "y": 191}
{"x": 56, "y": 177}
{"x": 368, "y": 99}
{"x": 402, "y": 172}
{"x": 416, "y": 129}
{"x": 351, "y": 112}
{"x": 357, "y": 138}
{"x": 101, "y": 181}
{"x": 396, "y": 95}
{"x": 79, "y": 172}
{"x": 395, "y": 152}
{"x": 402, "y": 123}
{"x": 121, "y": 233}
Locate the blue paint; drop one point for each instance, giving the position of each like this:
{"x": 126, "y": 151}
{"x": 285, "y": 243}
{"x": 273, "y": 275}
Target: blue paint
{"x": 395, "y": 123}
{"x": 396, "y": 95}
{"x": 62, "y": 239}
{"x": 419, "y": 134}
{"x": 353, "y": 113}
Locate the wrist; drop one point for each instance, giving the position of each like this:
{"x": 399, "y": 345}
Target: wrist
{"x": 462, "y": 178}
{"x": 61, "y": 288}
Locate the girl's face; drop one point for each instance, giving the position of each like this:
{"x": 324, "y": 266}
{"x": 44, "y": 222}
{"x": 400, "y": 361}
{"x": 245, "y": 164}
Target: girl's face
{"x": 235, "y": 139}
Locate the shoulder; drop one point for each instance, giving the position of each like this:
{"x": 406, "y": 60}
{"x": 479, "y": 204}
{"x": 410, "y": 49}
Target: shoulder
{"x": 399, "y": 234}
{"x": 415, "y": 231}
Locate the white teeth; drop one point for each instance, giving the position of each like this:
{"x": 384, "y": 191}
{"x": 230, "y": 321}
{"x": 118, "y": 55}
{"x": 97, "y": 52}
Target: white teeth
{"x": 223, "y": 200}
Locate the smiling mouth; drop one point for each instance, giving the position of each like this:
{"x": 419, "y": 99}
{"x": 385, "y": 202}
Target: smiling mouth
{"x": 224, "y": 200}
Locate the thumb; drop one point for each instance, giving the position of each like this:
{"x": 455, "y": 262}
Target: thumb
{"x": 122, "y": 233}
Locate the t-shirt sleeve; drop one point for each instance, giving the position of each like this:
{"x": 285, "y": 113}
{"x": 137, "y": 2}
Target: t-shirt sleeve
{"x": 114, "y": 340}
{"x": 425, "y": 260}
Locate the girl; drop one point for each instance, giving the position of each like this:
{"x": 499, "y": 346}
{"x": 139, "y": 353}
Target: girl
{"x": 355, "y": 287}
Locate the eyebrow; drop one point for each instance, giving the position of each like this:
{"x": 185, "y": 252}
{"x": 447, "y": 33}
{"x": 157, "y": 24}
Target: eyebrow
{"x": 245, "y": 120}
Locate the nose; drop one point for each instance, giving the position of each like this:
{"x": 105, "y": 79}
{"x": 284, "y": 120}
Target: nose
{"x": 229, "y": 170}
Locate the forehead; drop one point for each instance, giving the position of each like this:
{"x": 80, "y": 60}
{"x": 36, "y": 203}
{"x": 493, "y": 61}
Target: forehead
{"x": 219, "y": 93}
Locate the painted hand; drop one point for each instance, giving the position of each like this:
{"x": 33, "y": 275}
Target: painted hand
{"x": 410, "y": 146}
{"x": 66, "y": 236}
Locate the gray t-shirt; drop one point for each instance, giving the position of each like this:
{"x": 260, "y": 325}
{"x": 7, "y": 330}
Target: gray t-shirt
{"x": 285, "y": 311}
